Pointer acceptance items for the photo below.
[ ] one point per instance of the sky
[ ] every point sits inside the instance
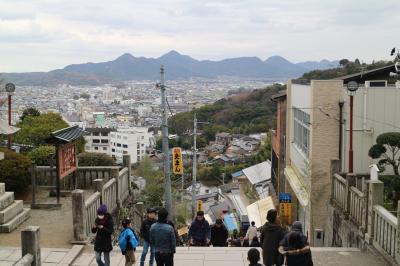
(41, 35)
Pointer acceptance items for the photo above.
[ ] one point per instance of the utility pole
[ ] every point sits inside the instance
(194, 171)
(165, 147)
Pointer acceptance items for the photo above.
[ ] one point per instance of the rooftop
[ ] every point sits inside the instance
(258, 173)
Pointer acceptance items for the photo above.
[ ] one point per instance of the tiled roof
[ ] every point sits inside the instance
(68, 134)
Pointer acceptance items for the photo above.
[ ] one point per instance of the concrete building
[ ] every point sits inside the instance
(98, 140)
(278, 142)
(315, 135)
(132, 141)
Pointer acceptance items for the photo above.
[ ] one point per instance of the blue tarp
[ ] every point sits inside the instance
(237, 174)
(230, 222)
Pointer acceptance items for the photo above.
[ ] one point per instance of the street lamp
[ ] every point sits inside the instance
(352, 87)
(10, 88)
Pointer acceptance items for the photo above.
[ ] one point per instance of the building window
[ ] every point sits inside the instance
(104, 141)
(96, 141)
(125, 146)
(301, 126)
(96, 133)
(125, 152)
(113, 150)
(104, 148)
(118, 144)
(138, 145)
(96, 148)
(104, 134)
(125, 138)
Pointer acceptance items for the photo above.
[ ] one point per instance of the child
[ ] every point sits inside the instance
(128, 242)
(253, 256)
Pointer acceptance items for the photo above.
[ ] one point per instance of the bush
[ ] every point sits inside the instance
(40, 155)
(14, 171)
(95, 159)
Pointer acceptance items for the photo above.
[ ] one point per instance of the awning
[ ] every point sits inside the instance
(6, 129)
(258, 210)
(297, 186)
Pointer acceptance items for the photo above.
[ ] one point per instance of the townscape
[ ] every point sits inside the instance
(172, 160)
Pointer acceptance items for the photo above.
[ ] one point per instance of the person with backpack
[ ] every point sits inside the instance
(145, 234)
(296, 227)
(219, 234)
(128, 242)
(103, 228)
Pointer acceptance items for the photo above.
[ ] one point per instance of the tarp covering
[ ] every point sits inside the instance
(230, 222)
(257, 211)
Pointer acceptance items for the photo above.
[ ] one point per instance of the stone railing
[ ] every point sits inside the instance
(45, 176)
(91, 206)
(112, 193)
(376, 225)
(340, 188)
(385, 231)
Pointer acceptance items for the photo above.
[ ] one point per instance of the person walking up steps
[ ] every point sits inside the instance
(127, 242)
(199, 232)
(272, 233)
(219, 234)
(103, 228)
(145, 234)
(162, 237)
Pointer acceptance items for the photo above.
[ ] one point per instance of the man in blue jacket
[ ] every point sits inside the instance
(128, 242)
(162, 237)
(199, 232)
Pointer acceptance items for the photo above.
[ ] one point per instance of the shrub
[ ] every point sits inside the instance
(95, 159)
(14, 171)
(40, 155)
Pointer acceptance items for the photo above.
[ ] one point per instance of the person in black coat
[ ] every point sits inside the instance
(255, 243)
(241, 241)
(103, 228)
(297, 253)
(145, 234)
(219, 234)
(271, 234)
(296, 227)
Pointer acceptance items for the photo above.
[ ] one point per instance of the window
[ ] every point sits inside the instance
(125, 152)
(104, 141)
(104, 134)
(301, 128)
(104, 148)
(96, 148)
(125, 146)
(113, 150)
(125, 138)
(96, 141)
(96, 134)
(138, 146)
(118, 144)
(118, 136)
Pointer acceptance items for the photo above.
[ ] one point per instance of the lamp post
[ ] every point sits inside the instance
(352, 87)
(10, 88)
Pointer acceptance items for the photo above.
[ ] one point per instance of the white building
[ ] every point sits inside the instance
(98, 140)
(132, 141)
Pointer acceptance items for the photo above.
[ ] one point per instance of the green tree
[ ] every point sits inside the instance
(36, 129)
(85, 96)
(387, 149)
(31, 111)
(147, 169)
(14, 171)
(40, 155)
(95, 159)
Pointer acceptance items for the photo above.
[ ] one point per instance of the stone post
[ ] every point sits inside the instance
(79, 216)
(98, 186)
(351, 182)
(33, 182)
(30, 242)
(128, 164)
(375, 197)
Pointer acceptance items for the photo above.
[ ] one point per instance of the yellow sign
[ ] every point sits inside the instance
(199, 205)
(285, 212)
(177, 163)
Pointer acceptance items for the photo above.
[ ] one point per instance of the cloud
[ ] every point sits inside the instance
(47, 34)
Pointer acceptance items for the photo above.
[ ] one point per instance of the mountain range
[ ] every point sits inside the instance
(128, 67)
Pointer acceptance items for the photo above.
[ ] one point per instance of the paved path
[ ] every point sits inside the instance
(197, 257)
(238, 257)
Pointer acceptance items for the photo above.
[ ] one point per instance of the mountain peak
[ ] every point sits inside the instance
(125, 56)
(277, 58)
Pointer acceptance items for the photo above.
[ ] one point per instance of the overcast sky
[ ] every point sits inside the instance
(41, 35)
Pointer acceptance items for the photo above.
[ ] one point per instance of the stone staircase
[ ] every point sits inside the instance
(12, 212)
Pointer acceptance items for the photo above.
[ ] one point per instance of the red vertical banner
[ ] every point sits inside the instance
(67, 160)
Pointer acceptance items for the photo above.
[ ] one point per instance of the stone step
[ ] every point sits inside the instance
(2, 188)
(6, 200)
(11, 211)
(16, 221)
(72, 255)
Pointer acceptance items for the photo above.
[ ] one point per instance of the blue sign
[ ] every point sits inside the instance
(285, 197)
